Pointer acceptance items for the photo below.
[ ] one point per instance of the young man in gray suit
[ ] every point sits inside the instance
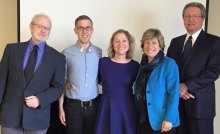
(32, 76)
(197, 54)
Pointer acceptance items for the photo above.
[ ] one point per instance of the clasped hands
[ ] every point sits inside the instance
(184, 94)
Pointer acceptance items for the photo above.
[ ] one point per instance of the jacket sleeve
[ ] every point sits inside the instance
(210, 73)
(172, 89)
(4, 71)
(56, 88)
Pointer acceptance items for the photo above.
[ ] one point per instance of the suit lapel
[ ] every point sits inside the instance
(44, 65)
(196, 47)
(180, 51)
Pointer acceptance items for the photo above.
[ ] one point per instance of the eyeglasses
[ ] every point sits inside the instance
(191, 16)
(41, 27)
(87, 29)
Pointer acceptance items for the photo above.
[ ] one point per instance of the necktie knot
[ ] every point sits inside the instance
(35, 48)
(190, 38)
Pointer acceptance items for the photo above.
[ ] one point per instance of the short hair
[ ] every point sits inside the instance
(35, 17)
(195, 4)
(130, 52)
(153, 33)
(83, 17)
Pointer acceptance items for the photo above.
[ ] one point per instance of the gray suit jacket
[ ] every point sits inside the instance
(47, 84)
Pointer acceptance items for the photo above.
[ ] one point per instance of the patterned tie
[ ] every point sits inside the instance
(187, 47)
(31, 63)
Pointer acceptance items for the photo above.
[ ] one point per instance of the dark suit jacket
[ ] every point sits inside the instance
(199, 72)
(47, 84)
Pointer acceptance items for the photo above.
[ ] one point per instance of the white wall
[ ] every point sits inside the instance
(214, 28)
(108, 15)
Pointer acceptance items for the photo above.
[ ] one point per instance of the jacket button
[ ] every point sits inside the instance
(148, 104)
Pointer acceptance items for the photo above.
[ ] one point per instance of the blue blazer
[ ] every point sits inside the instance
(162, 94)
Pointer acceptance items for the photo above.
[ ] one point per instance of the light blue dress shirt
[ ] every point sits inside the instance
(82, 71)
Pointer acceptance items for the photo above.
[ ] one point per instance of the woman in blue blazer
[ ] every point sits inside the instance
(157, 87)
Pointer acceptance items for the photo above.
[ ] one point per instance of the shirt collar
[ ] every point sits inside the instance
(40, 46)
(194, 36)
(82, 49)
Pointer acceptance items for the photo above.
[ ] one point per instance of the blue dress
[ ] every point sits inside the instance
(117, 111)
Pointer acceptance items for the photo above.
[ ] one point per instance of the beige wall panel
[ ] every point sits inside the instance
(214, 28)
(8, 23)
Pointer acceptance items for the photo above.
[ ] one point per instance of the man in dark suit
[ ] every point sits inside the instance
(26, 94)
(199, 67)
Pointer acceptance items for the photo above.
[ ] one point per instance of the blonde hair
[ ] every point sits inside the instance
(153, 33)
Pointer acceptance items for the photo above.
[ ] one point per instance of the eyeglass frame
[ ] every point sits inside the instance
(87, 29)
(192, 16)
(40, 27)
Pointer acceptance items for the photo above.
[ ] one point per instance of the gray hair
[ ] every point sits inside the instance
(195, 4)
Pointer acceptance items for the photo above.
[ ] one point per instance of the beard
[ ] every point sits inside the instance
(40, 38)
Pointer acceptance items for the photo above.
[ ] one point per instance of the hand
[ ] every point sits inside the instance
(184, 94)
(32, 101)
(166, 126)
(68, 85)
(183, 89)
(187, 96)
(62, 116)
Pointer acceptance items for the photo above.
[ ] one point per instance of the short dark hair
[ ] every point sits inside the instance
(83, 17)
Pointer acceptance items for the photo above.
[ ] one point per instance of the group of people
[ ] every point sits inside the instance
(172, 94)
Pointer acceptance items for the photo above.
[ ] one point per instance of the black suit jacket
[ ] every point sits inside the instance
(199, 72)
(47, 84)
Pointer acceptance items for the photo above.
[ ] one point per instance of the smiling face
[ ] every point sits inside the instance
(84, 31)
(120, 44)
(40, 29)
(151, 48)
(193, 19)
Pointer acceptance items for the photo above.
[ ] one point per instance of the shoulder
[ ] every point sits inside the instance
(14, 45)
(135, 63)
(169, 60)
(54, 52)
(212, 37)
(170, 64)
(178, 39)
(70, 48)
(176, 42)
(97, 48)
(209, 40)
(104, 59)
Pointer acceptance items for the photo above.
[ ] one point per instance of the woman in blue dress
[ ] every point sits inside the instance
(117, 112)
